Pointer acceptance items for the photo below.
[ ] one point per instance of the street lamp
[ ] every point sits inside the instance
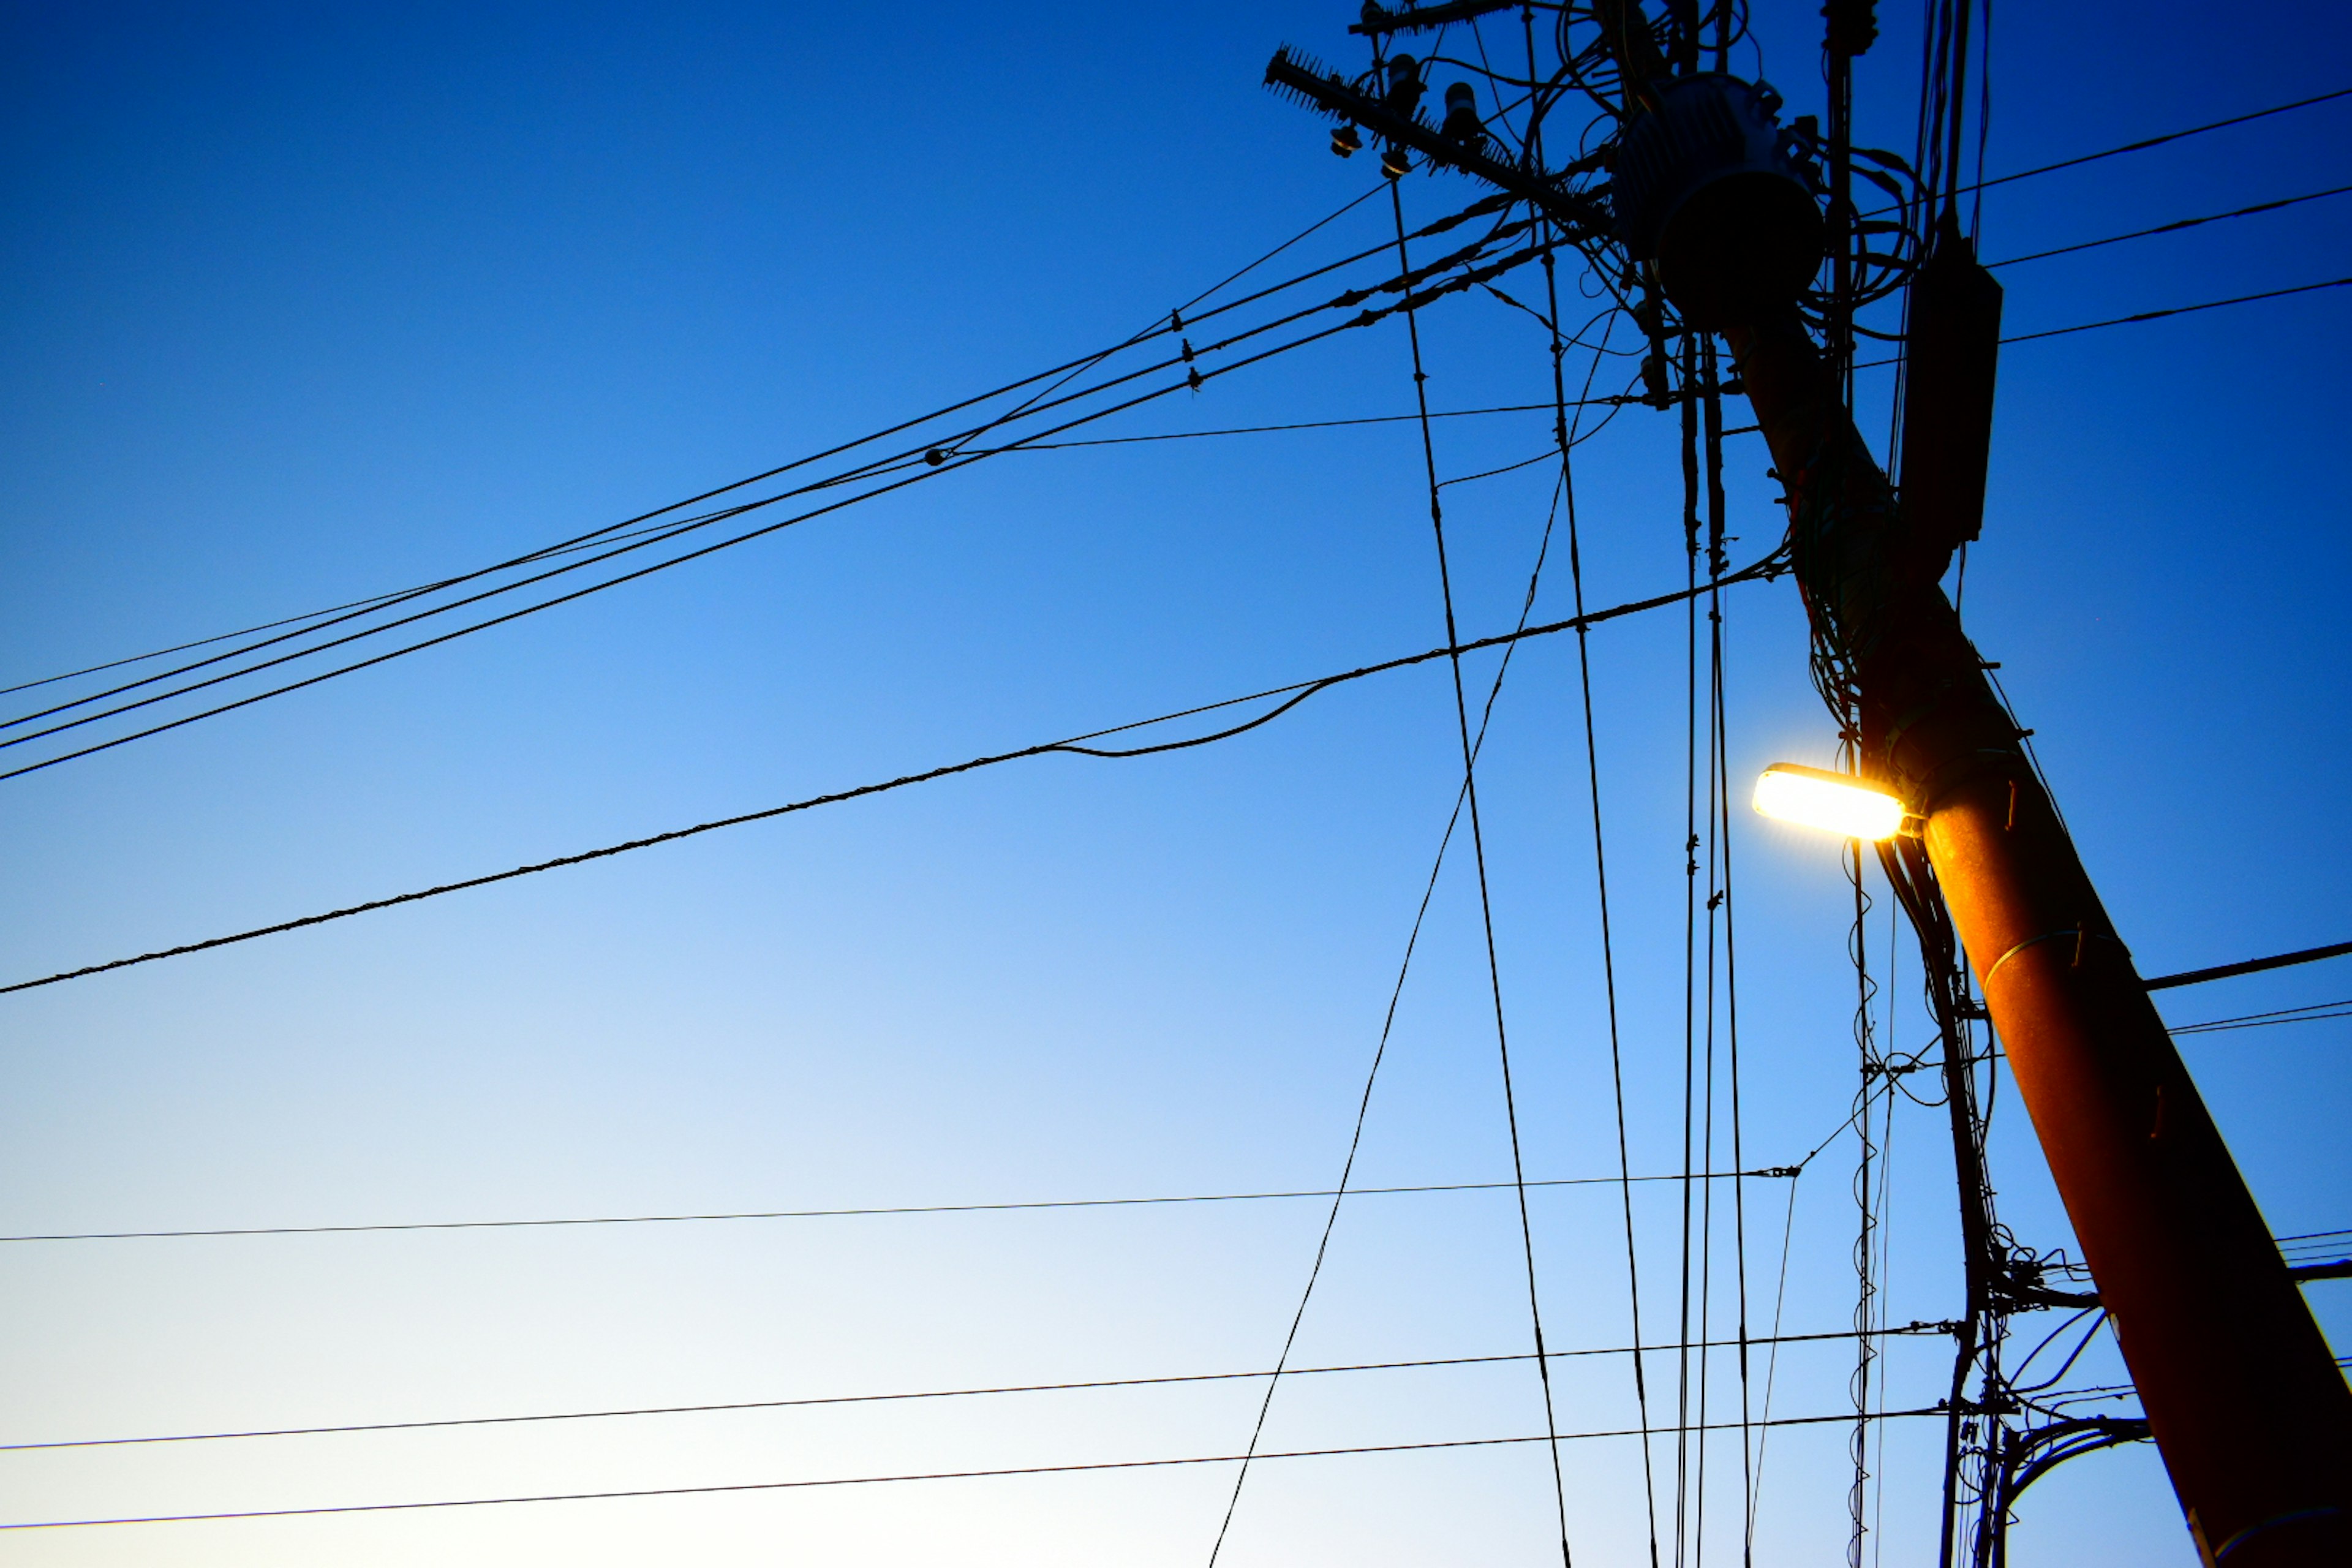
(1836, 803)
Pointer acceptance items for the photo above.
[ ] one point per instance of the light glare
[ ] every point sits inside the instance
(1835, 802)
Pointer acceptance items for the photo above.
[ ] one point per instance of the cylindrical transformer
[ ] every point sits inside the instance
(1705, 186)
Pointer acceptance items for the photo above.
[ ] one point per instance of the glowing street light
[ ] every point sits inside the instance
(1836, 803)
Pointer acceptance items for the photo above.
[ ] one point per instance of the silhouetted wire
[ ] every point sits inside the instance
(1379, 1051)
(2179, 310)
(873, 1480)
(1563, 434)
(1175, 324)
(1293, 695)
(2172, 227)
(578, 539)
(2309, 1015)
(206, 642)
(1689, 420)
(1769, 1171)
(1543, 456)
(360, 1427)
(1195, 378)
(1478, 856)
(1771, 1363)
(2143, 145)
(363, 606)
(2248, 967)
(2150, 315)
(2311, 1240)
(2139, 146)
(1274, 429)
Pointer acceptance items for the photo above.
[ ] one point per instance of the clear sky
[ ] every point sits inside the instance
(308, 304)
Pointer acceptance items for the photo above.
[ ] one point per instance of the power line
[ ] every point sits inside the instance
(1380, 1049)
(2179, 310)
(1295, 424)
(1174, 327)
(1567, 444)
(2248, 967)
(2312, 1014)
(1478, 855)
(2141, 316)
(1195, 378)
(1911, 1329)
(2327, 1240)
(1075, 745)
(928, 462)
(2158, 141)
(863, 1213)
(882, 1480)
(2139, 146)
(2174, 226)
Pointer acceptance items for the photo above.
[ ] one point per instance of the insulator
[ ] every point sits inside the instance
(1346, 140)
(1405, 86)
(1653, 379)
(1462, 115)
(1395, 164)
(1852, 26)
(1706, 185)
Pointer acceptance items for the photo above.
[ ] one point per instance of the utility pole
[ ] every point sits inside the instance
(2242, 1395)
(2244, 1400)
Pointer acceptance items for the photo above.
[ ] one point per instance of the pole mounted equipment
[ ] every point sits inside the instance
(1708, 187)
(1380, 21)
(1581, 214)
(1948, 393)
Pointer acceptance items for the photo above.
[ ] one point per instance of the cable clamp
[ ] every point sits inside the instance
(2081, 935)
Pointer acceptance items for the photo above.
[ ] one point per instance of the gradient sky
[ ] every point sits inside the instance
(308, 303)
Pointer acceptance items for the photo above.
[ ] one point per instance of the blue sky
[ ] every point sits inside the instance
(307, 306)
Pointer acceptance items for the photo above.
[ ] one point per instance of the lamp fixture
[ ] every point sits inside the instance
(1841, 803)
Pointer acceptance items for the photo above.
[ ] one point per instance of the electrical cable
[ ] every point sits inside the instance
(1689, 422)
(2158, 140)
(1543, 456)
(1771, 1363)
(2179, 310)
(1194, 379)
(1272, 429)
(348, 1428)
(2145, 316)
(2172, 227)
(1293, 695)
(1478, 855)
(1379, 1051)
(2248, 967)
(2308, 1241)
(1719, 830)
(2306, 1015)
(868, 1480)
(935, 462)
(1769, 1171)
(1983, 184)
(577, 540)
(1600, 875)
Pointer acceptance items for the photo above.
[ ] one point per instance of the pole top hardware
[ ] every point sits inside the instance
(1709, 186)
